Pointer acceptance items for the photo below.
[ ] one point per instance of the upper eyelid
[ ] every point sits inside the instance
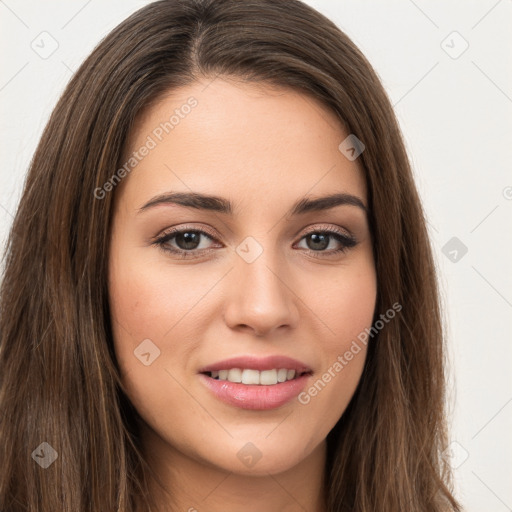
(171, 232)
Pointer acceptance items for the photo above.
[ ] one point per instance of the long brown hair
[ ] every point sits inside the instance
(59, 379)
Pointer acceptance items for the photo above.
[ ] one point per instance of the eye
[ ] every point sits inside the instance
(320, 240)
(184, 242)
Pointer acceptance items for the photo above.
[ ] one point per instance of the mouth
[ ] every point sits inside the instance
(250, 382)
(251, 377)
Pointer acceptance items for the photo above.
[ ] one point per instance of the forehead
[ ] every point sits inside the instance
(251, 142)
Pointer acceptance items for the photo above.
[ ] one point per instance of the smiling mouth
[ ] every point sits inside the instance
(255, 377)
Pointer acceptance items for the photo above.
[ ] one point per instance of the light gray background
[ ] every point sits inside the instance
(455, 112)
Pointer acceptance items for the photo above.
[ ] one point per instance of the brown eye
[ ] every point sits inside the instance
(319, 241)
(188, 240)
(185, 242)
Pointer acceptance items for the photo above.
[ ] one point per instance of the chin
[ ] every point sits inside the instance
(260, 457)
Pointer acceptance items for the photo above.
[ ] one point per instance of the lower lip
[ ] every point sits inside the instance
(255, 397)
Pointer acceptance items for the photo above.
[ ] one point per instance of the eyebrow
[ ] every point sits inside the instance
(221, 205)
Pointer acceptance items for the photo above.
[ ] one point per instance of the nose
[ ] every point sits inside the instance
(260, 297)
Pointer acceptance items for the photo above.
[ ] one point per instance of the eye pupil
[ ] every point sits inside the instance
(188, 239)
(319, 241)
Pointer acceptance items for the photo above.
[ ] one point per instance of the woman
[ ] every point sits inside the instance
(219, 291)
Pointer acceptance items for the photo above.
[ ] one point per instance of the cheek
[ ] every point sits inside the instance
(346, 304)
(149, 310)
(156, 303)
(347, 307)
(146, 303)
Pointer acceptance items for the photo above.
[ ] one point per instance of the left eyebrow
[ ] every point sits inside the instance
(222, 205)
(326, 203)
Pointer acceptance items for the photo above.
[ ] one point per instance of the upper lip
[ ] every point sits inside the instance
(258, 363)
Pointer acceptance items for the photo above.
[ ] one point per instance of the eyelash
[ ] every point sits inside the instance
(347, 242)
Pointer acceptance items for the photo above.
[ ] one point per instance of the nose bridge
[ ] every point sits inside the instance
(259, 295)
(258, 268)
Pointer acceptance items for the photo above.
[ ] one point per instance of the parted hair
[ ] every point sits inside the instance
(59, 379)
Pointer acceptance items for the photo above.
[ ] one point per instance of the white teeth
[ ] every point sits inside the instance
(281, 374)
(235, 375)
(268, 377)
(250, 377)
(254, 377)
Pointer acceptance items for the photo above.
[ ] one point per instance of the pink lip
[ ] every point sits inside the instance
(255, 397)
(258, 363)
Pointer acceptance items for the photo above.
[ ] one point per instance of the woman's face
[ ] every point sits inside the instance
(249, 275)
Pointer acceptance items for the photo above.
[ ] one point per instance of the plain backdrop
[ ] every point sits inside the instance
(447, 69)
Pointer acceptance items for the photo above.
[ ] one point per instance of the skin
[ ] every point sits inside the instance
(263, 148)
